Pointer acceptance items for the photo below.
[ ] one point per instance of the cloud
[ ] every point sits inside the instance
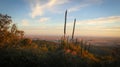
(101, 20)
(76, 8)
(44, 19)
(25, 22)
(84, 3)
(52, 3)
(97, 23)
(113, 28)
(39, 9)
(111, 19)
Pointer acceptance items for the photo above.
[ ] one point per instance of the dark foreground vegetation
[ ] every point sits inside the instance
(17, 51)
(52, 55)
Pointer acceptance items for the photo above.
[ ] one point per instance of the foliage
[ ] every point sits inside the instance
(42, 56)
(9, 34)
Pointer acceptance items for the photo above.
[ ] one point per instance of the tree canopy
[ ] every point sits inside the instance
(9, 34)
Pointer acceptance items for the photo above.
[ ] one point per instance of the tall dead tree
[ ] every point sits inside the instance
(65, 24)
(73, 29)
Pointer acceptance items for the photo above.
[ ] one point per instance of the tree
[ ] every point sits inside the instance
(9, 34)
(13, 29)
(19, 33)
(26, 41)
(5, 22)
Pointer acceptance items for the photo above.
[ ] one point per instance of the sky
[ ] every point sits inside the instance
(46, 17)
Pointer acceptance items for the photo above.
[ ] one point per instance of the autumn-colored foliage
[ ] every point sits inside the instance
(9, 34)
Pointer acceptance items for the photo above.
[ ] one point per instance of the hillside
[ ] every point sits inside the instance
(50, 54)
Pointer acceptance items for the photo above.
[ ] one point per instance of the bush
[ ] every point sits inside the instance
(26, 41)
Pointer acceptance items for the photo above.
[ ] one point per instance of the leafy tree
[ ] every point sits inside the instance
(13, 29)
(5, 22)
(9, 34)
(26, 41)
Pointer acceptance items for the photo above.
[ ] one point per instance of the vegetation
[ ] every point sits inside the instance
(15, 50)
(10, 35)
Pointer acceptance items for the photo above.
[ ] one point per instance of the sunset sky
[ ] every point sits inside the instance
(46, 17)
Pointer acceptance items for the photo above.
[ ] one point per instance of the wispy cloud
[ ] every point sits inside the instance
(25, 22)
(83, 4)
(101, 20)
(103, 24)
(44, 19)
(39, 9)
(113, 28)
(77, 7)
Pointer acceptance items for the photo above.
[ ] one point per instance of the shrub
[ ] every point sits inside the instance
(26, 41)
